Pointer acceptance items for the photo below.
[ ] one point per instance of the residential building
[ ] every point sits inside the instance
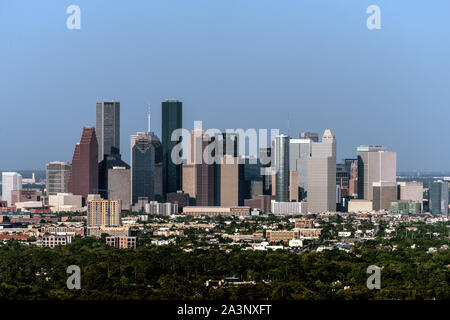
(104, 213)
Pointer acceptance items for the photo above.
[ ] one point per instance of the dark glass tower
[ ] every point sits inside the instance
(145, 154)
(171, 120)
(108, 129)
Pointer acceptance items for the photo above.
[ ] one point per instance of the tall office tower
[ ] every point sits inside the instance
(171, 120)
(299, 152)
(321, 174)
(83, 178)
(201, 184)
(145, 159)
(439, 197)
(108, 128)
(105, 213)
(281, 167)
(58, 173)
(313, 136)
(353, 181)
(375, 164)
(10, 181)
(230, 174)
(119, 187)
(265, 158)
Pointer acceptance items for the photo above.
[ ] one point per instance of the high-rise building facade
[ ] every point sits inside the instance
(57, 174)
(108, 128)
(375, 164)
(172, 115)
(199, 173)
(281, 167)
(321, 174)
(119, 187)
(265, 158)
(104, 213)
(10, 181)
(299, 152)
(439, 197)
(146, 160)
(83, 178)
(230, 182)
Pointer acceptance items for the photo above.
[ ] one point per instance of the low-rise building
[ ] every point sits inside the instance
(52, 241)
(121, 242)
(213, 211)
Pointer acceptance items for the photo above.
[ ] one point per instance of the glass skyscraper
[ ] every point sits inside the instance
(108, 129)
(171, 120)
(145, 155)
(281, 165)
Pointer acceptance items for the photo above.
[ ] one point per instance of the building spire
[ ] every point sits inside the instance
(148, 128)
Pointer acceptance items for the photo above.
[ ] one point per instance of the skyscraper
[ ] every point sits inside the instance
(199, 173)
(281, 167)
(171, 120)
(83, 178)
(145, 159)
(375, 164)
(321, 174)
(439, 197)
(108, 128)
(230, 182)
(10, 181)
(58, 173)
(299, 152)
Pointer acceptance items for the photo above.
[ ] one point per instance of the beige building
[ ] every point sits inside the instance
(189, 180)
(293, 186)
(412, 190)
(321, 175)
(111, 231)
(216, 211)
(360, 205)
(229, 181)
(104, 212)
(119, 184)
(65, 202)
(375, 164)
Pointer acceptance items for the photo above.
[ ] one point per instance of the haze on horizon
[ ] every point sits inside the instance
(233, 64)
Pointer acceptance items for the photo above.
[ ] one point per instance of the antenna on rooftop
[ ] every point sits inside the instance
(148, 119)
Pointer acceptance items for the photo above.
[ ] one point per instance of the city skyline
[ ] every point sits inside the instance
(395, 74)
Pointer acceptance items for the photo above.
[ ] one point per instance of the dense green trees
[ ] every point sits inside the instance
(168, 272)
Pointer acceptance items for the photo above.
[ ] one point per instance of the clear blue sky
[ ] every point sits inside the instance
(234, 64)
